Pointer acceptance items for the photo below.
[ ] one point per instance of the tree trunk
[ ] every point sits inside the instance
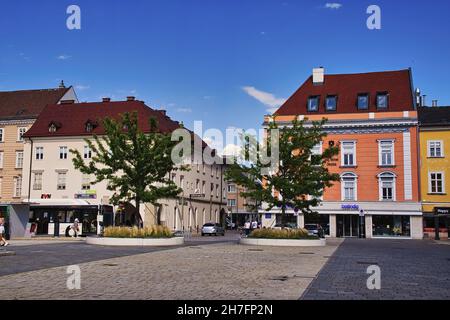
(138, 218)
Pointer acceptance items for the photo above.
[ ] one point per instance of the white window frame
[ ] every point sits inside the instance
(63, 152)
(430, 189)
(348, 175)
(2, 134)
(35, 185)
(59, 185)
(429, 142)
(1, 159)
(380, 154)
(17, 187)
(19, 134)
(86, 182)
(41, 153)
(343, 154)
(19, 159)
(229, 203)
(394, 186)
(229, 188)
(87, 152)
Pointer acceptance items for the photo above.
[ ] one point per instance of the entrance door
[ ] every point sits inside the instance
(347, 225)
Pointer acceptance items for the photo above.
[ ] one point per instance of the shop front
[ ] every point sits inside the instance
(436, 223)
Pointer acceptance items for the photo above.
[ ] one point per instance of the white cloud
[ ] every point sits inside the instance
(63, 57)
(82, 87)
(268, 99)
(184, 110)
(333, 5)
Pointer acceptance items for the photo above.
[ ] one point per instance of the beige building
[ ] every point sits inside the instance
(57, 192)
(18, 111)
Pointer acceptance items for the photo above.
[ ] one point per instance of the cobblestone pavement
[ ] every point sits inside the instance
(198, 270)
(409, 270)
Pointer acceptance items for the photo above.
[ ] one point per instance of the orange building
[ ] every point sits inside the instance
(372, 117)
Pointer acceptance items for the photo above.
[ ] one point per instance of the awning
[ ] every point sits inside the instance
(58, 202)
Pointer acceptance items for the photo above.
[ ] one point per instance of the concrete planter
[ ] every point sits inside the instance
(149, 242)
(283, 242)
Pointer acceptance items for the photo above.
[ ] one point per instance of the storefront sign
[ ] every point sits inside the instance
(88, 194)
(46, 196)
(268, 216)
(350, 207)
(442, 211)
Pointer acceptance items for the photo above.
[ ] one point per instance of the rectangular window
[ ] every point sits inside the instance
(39, 153)
(2, 134)
(197, 186)
(87, 152)
(313, 104)
(231, 188)
(363, 101)
(217, 190)
(231, 202)
(435, 149)
(436, 182)
(331, 103)
(348, 153)
(217, 172)
(1, 159)
(17, 187)
(382, 100)
(182, 182)
(20, 132)
(349, 190)
(62, 153)
(387, 189)
(203, 187)
(386, 153)
(61, 183)
(19, 159)
(37, 183)
(86, 182)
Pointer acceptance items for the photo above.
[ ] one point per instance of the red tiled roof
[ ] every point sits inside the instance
(28, 103)
(347, 87)
(72, 118)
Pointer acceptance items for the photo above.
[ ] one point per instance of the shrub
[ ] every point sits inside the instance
(135, 232)
(281, 234)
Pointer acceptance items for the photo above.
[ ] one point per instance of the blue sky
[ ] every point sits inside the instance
(225, 62)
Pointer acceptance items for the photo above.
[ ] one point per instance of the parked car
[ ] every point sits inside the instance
(280, 226)
(314, 230)
(212, 229)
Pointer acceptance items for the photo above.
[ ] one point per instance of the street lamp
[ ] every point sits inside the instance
(361, 224)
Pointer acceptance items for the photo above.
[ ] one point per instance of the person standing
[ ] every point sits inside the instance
(75, 227)
(3, 241)
(254, 225)
(247, 226)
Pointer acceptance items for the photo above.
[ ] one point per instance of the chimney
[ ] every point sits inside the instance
(424, 103)
(163, 112)
(318, 76)
(106, 100)
(67, 101)
(62, 85)
(131, 98)
(418, 98)
(434, 103)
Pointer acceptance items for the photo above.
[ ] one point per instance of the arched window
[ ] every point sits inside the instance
(387, 186)
(349, 186)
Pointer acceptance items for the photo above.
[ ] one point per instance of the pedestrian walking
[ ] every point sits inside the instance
(75, 227)
(3, 241)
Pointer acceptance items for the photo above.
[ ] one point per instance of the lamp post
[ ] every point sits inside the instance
(361, 224)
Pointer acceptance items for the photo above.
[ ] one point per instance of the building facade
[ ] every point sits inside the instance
(434, 126)
(57, 193)
(240, 209)
(18, 112)
(372, 117)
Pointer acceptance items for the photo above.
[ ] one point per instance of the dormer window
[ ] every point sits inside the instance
(90, 126)
(331, 103)
(53, 127)
(313, 103)
(363, 101)
(382, 100)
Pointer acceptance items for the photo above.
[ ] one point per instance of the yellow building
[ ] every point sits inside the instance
(18, 112)
(435, 169)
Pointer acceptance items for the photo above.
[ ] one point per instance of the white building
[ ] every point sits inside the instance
(56, 191)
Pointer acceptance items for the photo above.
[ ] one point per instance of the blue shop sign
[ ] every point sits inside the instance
(350, 207)
(268, 216)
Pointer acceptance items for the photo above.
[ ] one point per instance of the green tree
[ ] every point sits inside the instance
(298, 174)
(135, 164)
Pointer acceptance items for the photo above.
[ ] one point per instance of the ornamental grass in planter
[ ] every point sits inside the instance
(136, 233)
(289, 234)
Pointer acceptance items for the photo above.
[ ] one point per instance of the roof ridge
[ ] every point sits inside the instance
(36, 90)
